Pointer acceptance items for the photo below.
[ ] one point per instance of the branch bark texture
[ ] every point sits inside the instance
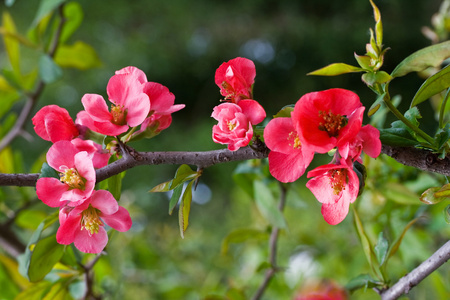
(406, 283)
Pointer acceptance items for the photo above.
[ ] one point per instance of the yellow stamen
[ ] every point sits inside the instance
(90, 220)
(73, 179)
(332, 123)
(293, 136)
(119, 115)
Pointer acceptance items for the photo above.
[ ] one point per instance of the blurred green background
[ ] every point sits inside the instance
(180, 44)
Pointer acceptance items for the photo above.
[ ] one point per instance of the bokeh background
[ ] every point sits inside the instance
(180, 44)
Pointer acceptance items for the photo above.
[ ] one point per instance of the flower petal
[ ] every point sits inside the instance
(120, 221)
(96, 107)
(253, 110)
(61, 154)
(94, 243)
(105, 202)
(50, 191)
(288, 167)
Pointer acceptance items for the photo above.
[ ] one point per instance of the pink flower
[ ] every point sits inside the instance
(83, 225)
(53, 123)
(235, 79)
(130, 105)
(77, 176)
(95, 151)
(290, 155)
(322, 290)
(367, 140)
(335, 186)
(328, 119)
(235, 123)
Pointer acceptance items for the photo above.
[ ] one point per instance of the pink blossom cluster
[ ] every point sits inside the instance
(83, 211)
(239, 112)
(321, 122)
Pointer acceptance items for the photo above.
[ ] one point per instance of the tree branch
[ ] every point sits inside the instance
(406, 283)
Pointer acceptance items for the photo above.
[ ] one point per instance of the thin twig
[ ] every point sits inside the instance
(89, 277)
(273, 244)
(406, 283)
(32, 98)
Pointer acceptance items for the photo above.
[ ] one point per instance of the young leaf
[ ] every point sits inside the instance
(162, 187)
(365, 242)
(267, 206)
(79, 56)
(183, 174)
(285, 112)
(371, 78)
(11, 43)
(336, 69)
(429, 196)
(398, 241)
(175, 198)
(432, 86)
(447, 214)
(47, 171)
(45, 255)
(240, 236)
(115, 182)
(431, 56)
(362, 281)
(185, 208)
(73, 14)
(45, 8)
(381, 248)
(48, 70)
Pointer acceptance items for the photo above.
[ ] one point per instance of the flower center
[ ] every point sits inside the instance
(296, 144)
(338, 180)
(90, 220)
(231, 125)
(72, 178)
(332, 123)
(119, 115)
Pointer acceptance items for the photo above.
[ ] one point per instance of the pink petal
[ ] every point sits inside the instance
(94, 243)
(123, 87)
(110, 129)
(69, 226)
(287, 167)
(61, 154)
(371, 140)
(279, 135)
(140, 75)
(96, 107)
(105, 202)
(161, 99)
(83, 164)
(120, 221)
(50, 191)
(138, 108)
(253, 110)
(335, 213)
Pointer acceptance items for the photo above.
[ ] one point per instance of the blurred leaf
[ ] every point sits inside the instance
(185, 208)
(58, 291)
(285, 112)
(48, 70)
(36, 291)
(11, 267)
(447, 214)
(175, 198)
(336, 69)
(267, 205)
(30, 219)
(73, 15)
(398, 240)
(381, 248)
(45, 8)
(376, 105)
(362, 281)
(432, 86)
(431, 56)
(11, 44)
(235, 294)
(6, 161)
(442, 136)
(79, 55)
(246, 173)
(240, 236)
(45, 255)
(47, 171)
(400, 194)
(9, 3)
(378, 24)
(9, 121)
(24, 259)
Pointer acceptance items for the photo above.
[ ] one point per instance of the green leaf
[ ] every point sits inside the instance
(397, 137)
(267, 205)
(79, 56)
(431, 56)
(242, 235)
(336, 69)
(381, 248)
(175, 198)
(378, 24)
(185, 208)
(285, 112)
(45, 255)
(47, 171)
(442, 136)
(376, 105)
(363, 61)
(362, 281)
(115, 182)
(365, 242)
(400, 194)
(398, 241)
(447, 214)
(183, 174)
(48, 70)
(11, 44)
(372, 78)
(35, 292)
(45, 8)
(73, 15)
(432, 86)
(247, 172)
(429, 197)
(162, 187)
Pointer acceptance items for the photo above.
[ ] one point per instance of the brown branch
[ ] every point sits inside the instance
(25, 114)
(406, 283)
(273, 244)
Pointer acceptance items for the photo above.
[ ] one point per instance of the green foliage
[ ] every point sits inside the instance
(432, 86)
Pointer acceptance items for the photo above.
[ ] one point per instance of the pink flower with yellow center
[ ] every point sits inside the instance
(290, 155)
(335, 186)
(83, 225)
(130, 105)
(77, 176)
(235, 123)
(235, 79)
(328, 119)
